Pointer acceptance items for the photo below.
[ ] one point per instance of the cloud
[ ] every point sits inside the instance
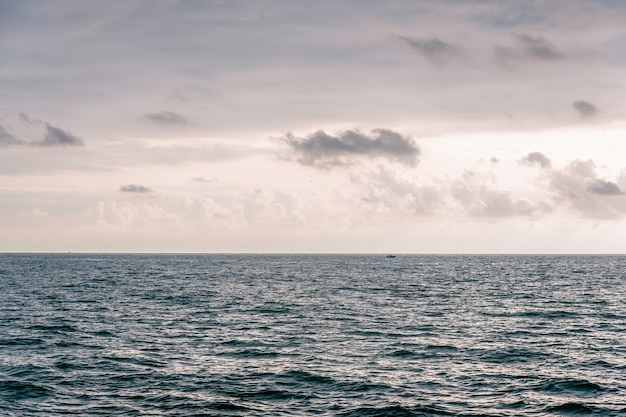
(271, 208)
(323, 150)
(477, 196)
(584, 108)
(131, 216)
(166, 118)
(202, 179)
(474, 194)
(59, 137)
(132, 188)
(435, 50)
(537, 158)
(34, 132)
(390, 192)
(528, 48)
(7, 139)
(578, 187)
(202, 212)
(538, 47)
(603, 187)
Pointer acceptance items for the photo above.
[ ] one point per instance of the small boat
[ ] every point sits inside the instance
(390, 256)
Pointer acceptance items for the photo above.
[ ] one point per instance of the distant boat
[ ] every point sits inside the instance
(390, 256)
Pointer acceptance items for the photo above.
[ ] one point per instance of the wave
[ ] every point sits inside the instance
(13, 390)
(570, 386)
(270, 395)
(55, 328)
(394, 411)
(510, 355)
(572, 408)
(22, 341)
(251, 353)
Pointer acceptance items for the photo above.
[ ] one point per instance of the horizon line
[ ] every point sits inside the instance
(323, 253)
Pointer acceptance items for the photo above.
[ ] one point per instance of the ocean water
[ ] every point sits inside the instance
(304, 335)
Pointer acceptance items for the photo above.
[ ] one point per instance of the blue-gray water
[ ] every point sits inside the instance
(271, 335)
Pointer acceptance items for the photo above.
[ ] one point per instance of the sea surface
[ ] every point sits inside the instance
(307, 335)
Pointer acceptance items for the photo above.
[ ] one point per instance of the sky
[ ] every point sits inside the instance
(354, 126)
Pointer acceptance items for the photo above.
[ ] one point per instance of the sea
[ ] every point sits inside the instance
(312, 335)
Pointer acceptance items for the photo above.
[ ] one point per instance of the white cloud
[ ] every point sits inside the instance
(578, 187)
(132, 215)
(397, 194)
(478, 196)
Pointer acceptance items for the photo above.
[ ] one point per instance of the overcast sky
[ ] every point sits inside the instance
(313, 126)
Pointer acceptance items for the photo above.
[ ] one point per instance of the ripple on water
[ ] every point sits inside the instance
(577, 408)
(15, 390)
(578, 387)
(394, 411)
(22, 341)
(265, 335)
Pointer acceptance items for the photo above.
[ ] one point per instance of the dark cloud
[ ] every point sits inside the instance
(59, 137)
(584, 108)
(132, 188)
(537, 158)
(50, 136)
(435, 50)
(538, 47)
(324, 150)
(603, 187)
(166, 118)
(528, 48)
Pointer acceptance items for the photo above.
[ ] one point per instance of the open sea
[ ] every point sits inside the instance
(306, 335)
